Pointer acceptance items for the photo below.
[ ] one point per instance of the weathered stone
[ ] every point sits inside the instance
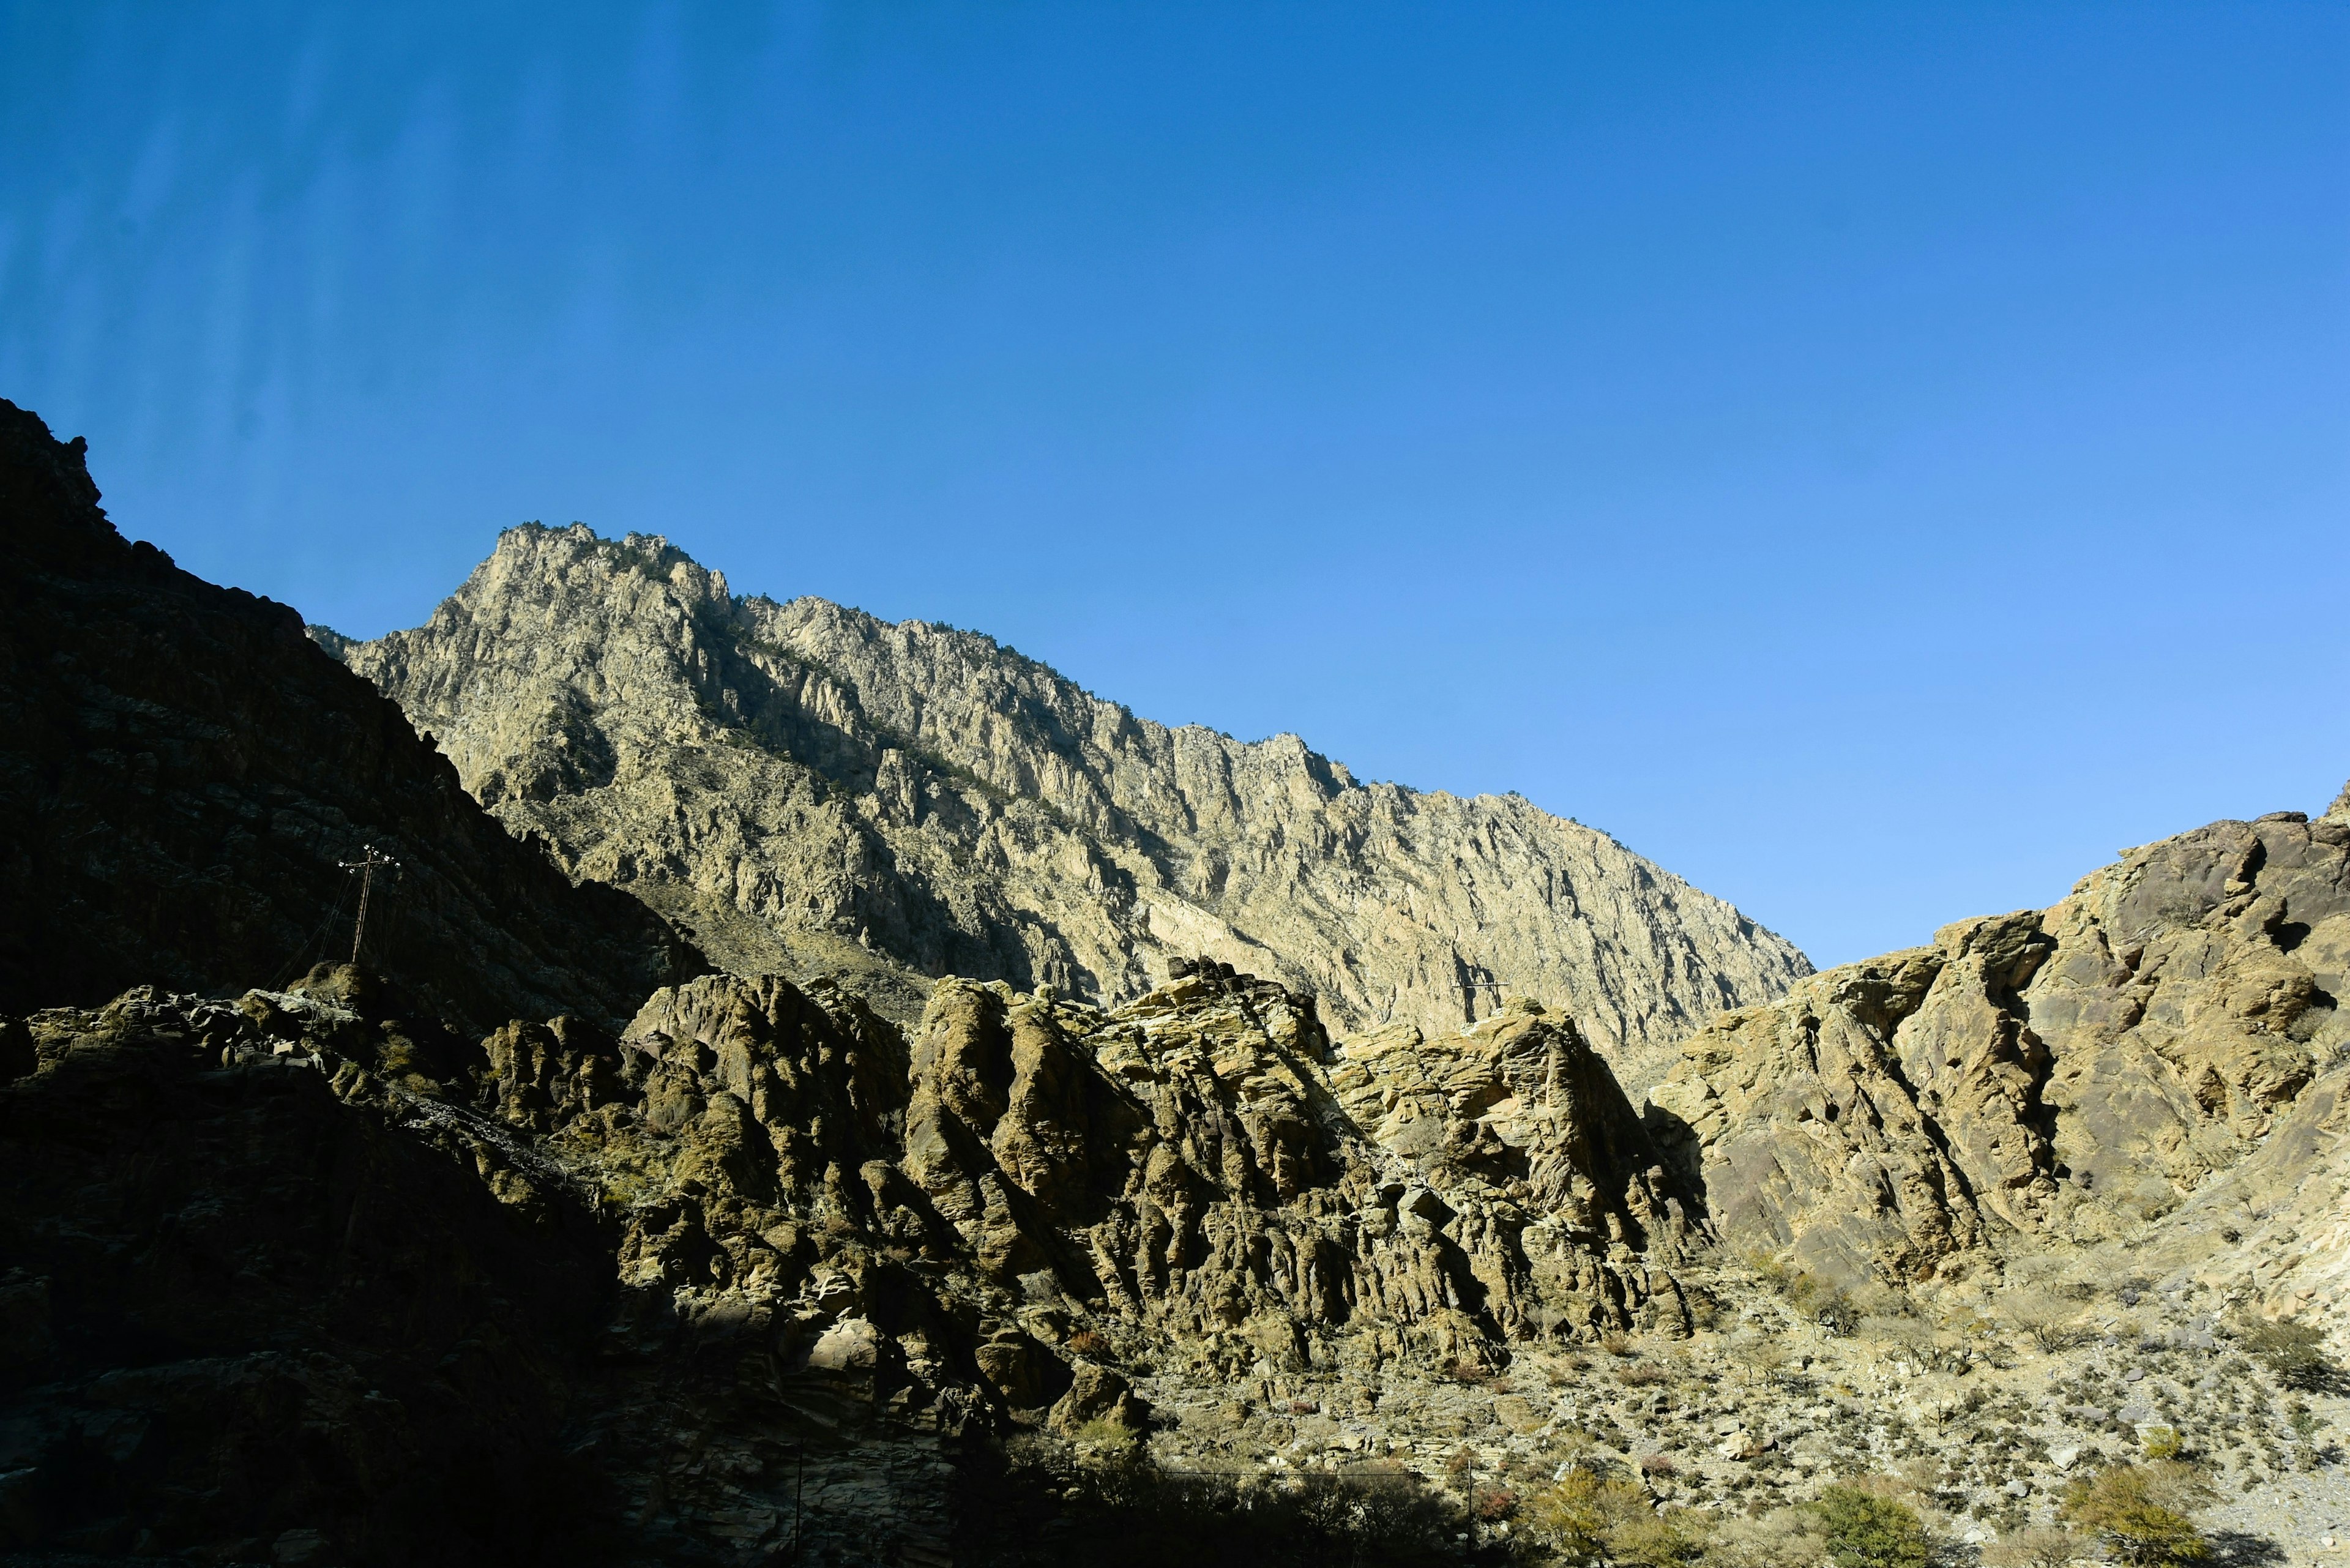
(813, 790)
(2049, 1078)
(1097, 1393)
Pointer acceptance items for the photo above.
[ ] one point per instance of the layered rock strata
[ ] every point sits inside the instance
(2052, 1077)
(808, 788)
(181, 770)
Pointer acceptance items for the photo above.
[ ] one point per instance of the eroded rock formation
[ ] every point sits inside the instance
(760, 1229)
(808, 788)
(2049, 1078)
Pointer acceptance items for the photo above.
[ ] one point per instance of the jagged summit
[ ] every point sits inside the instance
(806, 786)
(759, 1273)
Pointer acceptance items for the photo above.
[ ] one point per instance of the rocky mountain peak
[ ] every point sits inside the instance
(806, 786)
(887, 1265)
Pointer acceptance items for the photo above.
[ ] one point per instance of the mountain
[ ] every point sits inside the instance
(547, 1248)
(808, 788)
(2157, 1066)
(766, 1277)
(181, 770)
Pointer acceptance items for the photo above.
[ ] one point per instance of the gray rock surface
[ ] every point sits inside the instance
(810, 788)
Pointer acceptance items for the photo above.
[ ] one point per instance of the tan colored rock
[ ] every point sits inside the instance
(811, 789)
(2047, 1077)
(1097, 1393)
(1195, 1174)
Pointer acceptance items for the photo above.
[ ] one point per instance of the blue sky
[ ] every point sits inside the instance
(1876, 461)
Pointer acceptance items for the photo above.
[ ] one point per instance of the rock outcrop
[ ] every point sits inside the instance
(181, 770)
(568, 1294)
(2046, 1078)
(811, 788)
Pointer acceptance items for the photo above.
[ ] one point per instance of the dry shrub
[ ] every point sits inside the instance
(2047, 1318)
(1780, 1537)
(1109, 1435)
(1089, 1343)
(1760, 1355)
(2293, 1351)
(2139, 1513)
(1914, 1341)
(2041, 1546)
(1587, 1515)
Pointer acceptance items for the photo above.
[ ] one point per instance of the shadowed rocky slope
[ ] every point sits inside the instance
(310, 1276)
(180, 769)
(2166, 1044)
(806, 786)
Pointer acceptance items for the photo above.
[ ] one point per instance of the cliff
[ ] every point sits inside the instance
(808, 788)
(2158, 1063)
(756, 1276)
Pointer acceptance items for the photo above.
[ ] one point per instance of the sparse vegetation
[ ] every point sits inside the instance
(2047, 1318)
(2293, 1351)
(2139, 1514)
(1759, 1355)
(1776, 1538)
(1861, 1527)
(2035, 1547)
(1587, 1515)
(1107, 1436)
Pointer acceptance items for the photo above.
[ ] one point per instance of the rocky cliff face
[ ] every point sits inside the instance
(561, 1295)
(2166, 1044)
(904, 1268)
(180, 770)
(808, 788)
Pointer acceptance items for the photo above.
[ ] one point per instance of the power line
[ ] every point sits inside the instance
(369, 862)
(310, 942)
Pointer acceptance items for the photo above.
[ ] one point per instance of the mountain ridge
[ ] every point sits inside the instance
(757, 1273)
(727, 756)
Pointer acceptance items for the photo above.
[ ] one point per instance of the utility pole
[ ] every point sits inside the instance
(369, 862)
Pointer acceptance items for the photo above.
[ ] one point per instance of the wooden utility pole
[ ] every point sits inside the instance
(369, 862)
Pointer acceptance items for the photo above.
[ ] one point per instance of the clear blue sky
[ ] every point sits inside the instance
(1875, 460)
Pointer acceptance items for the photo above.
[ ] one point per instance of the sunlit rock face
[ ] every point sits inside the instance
(2046, 1079)
(811, 788)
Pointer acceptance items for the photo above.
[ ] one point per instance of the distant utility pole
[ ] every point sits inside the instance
(369, 863)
